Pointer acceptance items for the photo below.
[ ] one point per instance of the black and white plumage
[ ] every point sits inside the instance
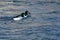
(21, 16)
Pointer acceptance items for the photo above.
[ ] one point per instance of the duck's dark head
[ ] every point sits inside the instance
(27, 12)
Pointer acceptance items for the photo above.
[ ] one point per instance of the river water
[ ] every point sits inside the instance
(44, 23)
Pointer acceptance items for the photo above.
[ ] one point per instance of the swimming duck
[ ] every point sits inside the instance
(21, 16)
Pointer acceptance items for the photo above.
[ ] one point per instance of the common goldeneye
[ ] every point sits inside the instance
(21, 16)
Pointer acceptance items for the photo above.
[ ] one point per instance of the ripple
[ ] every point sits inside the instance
(5, 18)
(53, 12)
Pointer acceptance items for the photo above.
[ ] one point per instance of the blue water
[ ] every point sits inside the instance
(44, 23)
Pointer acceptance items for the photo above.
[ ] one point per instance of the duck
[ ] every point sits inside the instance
(22, 16)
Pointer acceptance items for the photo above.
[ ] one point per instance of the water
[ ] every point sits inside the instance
(44, 23)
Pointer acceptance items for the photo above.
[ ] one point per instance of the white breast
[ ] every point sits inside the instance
(25, 16)
(18, 18)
